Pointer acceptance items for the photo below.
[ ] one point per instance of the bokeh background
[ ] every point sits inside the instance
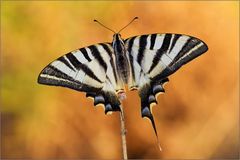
(197, 117)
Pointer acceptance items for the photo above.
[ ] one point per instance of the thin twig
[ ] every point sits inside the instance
(123, 134)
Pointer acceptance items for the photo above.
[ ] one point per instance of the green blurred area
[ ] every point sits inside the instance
(198, 117)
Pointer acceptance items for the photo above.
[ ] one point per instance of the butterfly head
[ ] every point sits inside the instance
(117, 38)
(118, 43)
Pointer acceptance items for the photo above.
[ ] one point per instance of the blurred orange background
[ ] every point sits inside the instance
(197, 117)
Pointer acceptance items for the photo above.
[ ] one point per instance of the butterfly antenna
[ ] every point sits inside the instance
(128, 24)
(103, 25)
(155, 130)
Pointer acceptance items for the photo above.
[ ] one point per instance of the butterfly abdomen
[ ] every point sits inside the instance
(123, 68)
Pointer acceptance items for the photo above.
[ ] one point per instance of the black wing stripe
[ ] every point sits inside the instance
(63, 60)
(132, 67)
(142, 46)
(161, 51)
(85, 54)
(130, 45)
(105, 46)
(152, 41)
(176, 37)
(97, 55)
(90, 73)
(107, 49)
(79, 66)
(74, 61)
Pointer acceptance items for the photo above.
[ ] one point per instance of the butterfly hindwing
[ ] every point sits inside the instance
(153, 58)
(90, 69)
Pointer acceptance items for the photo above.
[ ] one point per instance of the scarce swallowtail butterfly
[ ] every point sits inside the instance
(142, 63)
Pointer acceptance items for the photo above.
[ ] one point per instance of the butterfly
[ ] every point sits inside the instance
(143, 63)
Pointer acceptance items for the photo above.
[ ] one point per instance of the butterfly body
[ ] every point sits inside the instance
(122, 63)
(142, 62)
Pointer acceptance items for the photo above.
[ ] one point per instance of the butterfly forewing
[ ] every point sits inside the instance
(155, 53)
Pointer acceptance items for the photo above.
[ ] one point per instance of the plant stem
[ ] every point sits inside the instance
(123, 134)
